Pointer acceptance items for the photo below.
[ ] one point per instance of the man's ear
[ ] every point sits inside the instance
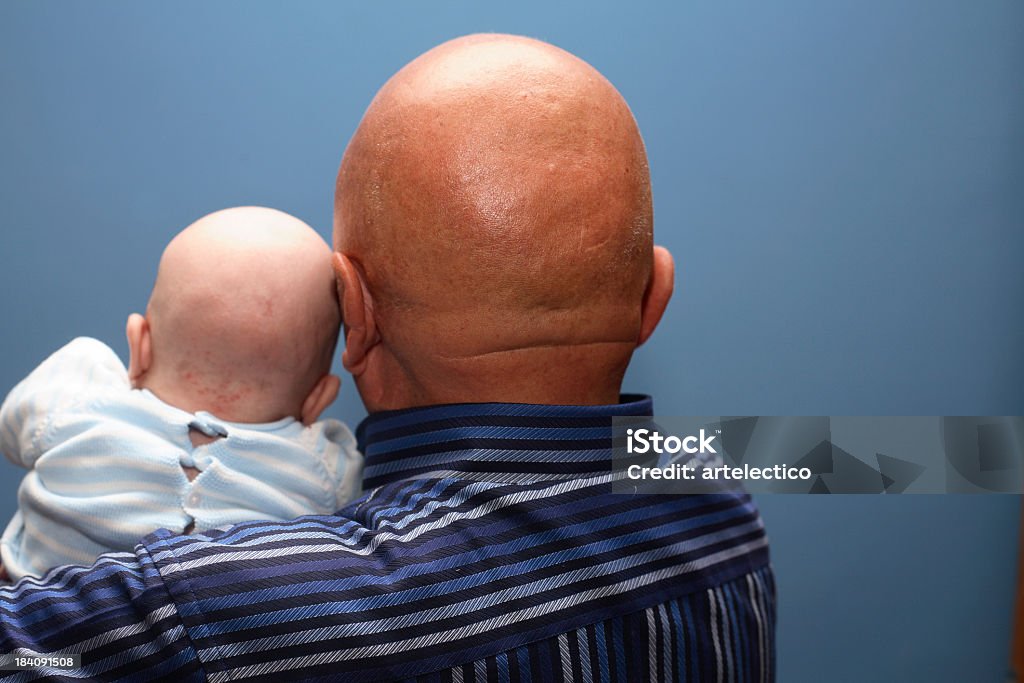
(357, 314)
(659, 291)
(140, 347)
(323, 394)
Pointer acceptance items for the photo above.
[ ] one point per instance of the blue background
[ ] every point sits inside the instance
(841, 187)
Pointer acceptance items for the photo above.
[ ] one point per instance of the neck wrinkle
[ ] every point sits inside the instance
(585, 374)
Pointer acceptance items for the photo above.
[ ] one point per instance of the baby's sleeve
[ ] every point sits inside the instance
(342, 459)
(62, 383)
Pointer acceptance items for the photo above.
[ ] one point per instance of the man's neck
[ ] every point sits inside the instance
(543, 376)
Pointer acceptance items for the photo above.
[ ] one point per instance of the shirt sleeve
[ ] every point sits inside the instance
(72, 375)
(117, 615)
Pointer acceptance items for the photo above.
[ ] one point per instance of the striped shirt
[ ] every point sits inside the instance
(488, 547)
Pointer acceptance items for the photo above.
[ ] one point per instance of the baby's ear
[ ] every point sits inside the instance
(323, 394)
(140, 348)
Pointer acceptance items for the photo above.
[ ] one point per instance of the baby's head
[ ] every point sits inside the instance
(243, 320)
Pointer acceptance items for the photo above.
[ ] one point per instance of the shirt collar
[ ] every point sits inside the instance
(507, 441)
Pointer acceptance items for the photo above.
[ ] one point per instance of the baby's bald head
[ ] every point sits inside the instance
(496, 200)
(243, 319)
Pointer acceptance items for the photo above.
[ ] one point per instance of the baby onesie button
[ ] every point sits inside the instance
(205, 423)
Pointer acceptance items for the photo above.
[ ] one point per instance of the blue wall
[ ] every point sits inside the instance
(841, 186)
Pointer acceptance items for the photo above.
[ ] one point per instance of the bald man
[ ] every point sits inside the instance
(215, 419)
(496, 271)
(495, 207)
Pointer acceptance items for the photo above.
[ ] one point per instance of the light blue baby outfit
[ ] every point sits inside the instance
(106, 464)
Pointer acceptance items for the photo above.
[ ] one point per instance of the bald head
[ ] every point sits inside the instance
(243, 316)
(496, 198)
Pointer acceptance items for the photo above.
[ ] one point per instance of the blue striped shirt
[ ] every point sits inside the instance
(488, 546)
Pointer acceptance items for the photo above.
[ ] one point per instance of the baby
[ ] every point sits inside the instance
(215, 419)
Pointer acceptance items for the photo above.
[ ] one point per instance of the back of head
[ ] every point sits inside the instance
(496, 199)
(243, 318)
